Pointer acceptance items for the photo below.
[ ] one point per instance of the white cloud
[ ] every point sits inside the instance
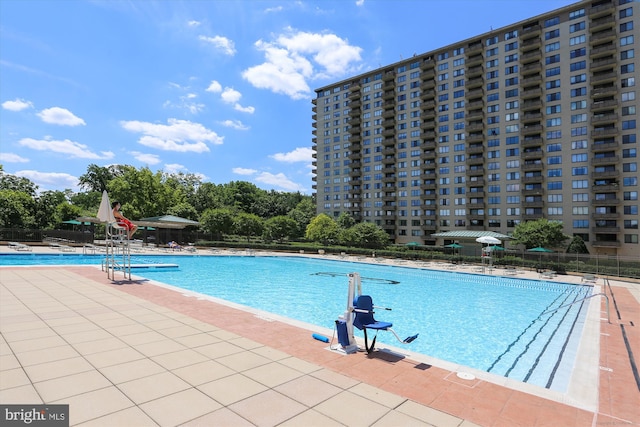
(50, 180)
(149, 159)
(300, 154)
(60, 116)
(359, 2)
(244, 171)
(232, 96)
(174, 168)
(222, 43)
(193, 23)
(12, 158)
(71, 148)
(177, 135)
(214, 86)
(279, 180)
(293, 59)
(235, 124)
(273, 9)
(17, 105)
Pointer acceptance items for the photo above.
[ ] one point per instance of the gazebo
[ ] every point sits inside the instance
(167, 222)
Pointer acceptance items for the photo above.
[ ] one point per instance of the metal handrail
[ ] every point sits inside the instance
(580, 300)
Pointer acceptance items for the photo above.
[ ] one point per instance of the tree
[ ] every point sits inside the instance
(365, 235)
(302, 214)
(279, 228)
(97, 177)
(16, 209)
(184, 210)
(17, 183)
(47, 209)
(346, 221)
(217, 221)
(246, 224)
(322, 229)
(577, 246)
(540, 232)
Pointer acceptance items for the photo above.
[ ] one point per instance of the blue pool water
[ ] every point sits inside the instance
(495, 324)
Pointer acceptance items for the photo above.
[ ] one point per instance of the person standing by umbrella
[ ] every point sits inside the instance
(122, 221)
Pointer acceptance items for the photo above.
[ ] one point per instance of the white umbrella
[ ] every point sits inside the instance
(105, 213)
(489, 240)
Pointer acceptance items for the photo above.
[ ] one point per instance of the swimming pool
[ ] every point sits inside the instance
(490, 323)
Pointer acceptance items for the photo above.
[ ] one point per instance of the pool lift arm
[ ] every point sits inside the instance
(344, 324)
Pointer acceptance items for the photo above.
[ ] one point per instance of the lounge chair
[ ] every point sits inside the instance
(589, 278)
(20, 246)
(363, 308)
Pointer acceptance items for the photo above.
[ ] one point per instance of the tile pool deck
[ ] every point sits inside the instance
(136, 354)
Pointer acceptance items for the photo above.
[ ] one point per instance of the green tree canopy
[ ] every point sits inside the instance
(302, 214)
(577, 246)
(246, 224)
(280, 228)
(365, 235)
(217, 221)
(322, 229)
(541, 232)
(16, 209)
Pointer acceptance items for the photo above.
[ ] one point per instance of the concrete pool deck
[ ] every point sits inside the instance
(131, 353)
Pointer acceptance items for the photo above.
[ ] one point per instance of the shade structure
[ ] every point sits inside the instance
(413, 244)
(495, 248)
(454, 246)
(488, 240)
(539, 249)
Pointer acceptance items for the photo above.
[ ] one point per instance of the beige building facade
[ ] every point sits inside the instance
(534, 120)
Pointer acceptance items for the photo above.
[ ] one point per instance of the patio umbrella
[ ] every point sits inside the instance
(412, 244)
(540, 251)
(495, 248)
(454, 246)
(105, 212)
(489, 240)
(72, 221)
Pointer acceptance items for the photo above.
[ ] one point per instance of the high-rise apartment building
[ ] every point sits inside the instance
(534, 120)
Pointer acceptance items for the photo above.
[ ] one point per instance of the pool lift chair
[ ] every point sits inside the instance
(359, 313)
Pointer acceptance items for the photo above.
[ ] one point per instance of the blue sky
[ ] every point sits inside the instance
(218, 88)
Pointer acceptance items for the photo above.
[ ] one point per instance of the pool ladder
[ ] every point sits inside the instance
(580, 300)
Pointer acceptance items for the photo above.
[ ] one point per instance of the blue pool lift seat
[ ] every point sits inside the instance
(363, 309)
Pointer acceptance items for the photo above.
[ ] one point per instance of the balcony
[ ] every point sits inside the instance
(605, 132)
(475, 149)
(536, 204)
(475, 92)
(603, 36)
(605, 215)
(428, 155)
(607, 230)
(605, 90)
(601, 10)
(475, 71)
(389, 179)
(605, 243)
(605, 174)
(474, 83)
(604, 146)
(475, 114)
(533, 191)
(602, 50)
(605, 188)
(532, 80)
(602, 77)
(531, 129)
(427, 84)
(531, 30)
(604, 118)
(606, 202)
(532, 67)
(532, 155)
(476, 137)
(602, 105)
(427, 187)
(388, 95)
(532, 104)
(537, 166)
(389, 151)
(428, 64)
(532, 54)
(531, 117)
(428, 145)
(475, 60)
(531, 92)
(602, 23)
(475, 126)
(603, 63)
(537, 179)
(389, 160)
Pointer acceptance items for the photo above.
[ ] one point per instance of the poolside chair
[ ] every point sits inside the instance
(363, 308)
(589, 278)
